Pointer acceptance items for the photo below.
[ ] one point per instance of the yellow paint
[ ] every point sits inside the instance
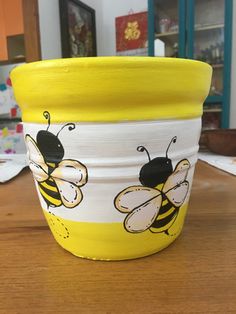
(51, 164)
(110, 241)
(163, 229)
(169, 212)
(5, 132)
(49, 187)
(52, 200)
(165, 201)
(111, 89)
(160, 186)
(132, 31)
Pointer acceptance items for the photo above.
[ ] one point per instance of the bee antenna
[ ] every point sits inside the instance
(142, 149)
(173, 140)
(48, 117)
(71, 126)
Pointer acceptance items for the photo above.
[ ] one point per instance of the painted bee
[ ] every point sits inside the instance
(155, 204)
(59, 180)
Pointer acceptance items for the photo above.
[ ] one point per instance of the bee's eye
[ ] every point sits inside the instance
(58, 145)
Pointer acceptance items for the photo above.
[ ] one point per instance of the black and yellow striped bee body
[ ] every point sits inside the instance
(166, 216)
(49, 189)
(50, 192)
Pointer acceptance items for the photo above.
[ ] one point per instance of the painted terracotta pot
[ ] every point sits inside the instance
(112, 144)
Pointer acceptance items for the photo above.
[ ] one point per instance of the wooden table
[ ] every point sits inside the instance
(197, 274)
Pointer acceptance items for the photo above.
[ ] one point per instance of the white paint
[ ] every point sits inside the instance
(233, 73)
(49, 24)
(109, 152)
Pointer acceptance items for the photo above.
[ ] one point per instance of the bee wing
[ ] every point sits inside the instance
(134, 196)
(36, 161)
(34, 153)
(178, 176)
(142, 217)
(178, 194)
(72, 171)
(70, 193)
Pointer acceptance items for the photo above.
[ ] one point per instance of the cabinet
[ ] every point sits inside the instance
(19, 42)
(11, 31)
(201, 30)
(19, 31)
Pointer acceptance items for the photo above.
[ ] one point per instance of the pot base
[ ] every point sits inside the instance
(110, 241)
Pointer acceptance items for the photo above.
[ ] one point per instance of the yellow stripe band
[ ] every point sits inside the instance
(49, 198)
(165, 202)
(51, 164)
(164, 228)
(110, 241)
(49, 187)
(170, 211)
(160, 186)
(123, 88)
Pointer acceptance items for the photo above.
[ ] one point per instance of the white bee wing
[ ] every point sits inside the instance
(34, 153)
(36, 160)
(39, 173)
(70, 194)
(71, 171)
(178, 176)
(178, 194)
(134, 196)
(142, 217)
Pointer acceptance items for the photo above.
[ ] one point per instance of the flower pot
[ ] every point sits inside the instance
(112, 144)
(219, 141)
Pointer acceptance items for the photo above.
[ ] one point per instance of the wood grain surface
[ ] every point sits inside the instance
(196, 274)
(31, 30)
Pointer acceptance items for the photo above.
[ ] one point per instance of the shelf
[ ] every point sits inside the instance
(212, 110)
(217, 66)
(197, 29)
(203, 149)
(208, 27)
(166, 34)
(214, 66)
(13, 61)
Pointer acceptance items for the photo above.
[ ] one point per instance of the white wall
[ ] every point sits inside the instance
(233, 73)
(106, 12)
(49, 23)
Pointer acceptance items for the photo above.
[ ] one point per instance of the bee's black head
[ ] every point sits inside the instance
(157, 170)
(49, 144)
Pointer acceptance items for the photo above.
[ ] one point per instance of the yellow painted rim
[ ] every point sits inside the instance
(107, 89)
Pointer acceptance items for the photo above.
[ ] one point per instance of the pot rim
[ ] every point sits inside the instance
(114, 60)
(107, 89)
